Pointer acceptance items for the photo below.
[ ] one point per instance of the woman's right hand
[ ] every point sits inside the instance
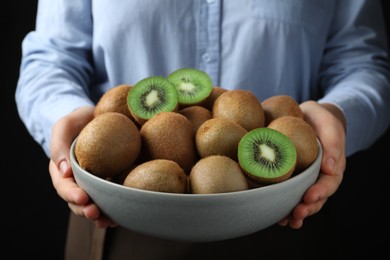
(63, 134)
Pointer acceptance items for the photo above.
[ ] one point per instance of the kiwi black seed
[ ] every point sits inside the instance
(266, 155)
(150, 96)
(193, 86)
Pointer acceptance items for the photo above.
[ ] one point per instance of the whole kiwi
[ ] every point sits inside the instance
(217, 174)
(169, 135)
(196, 114)
(241, 106)
(219, 136)
(303, 137)
(280, 105)
(114, 100)
(108, 145)
(158, 175)
(209, 101)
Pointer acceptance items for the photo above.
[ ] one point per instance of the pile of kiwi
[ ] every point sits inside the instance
(186, 135)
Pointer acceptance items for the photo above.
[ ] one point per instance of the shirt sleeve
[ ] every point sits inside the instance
(56, 66)
(355, 71)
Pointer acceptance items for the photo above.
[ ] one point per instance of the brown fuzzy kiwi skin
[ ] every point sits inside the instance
(141, 121)
(302, 135)
(209, 101)
(158, 175)
(219, 136)
(115, 100)
(108, 145)
(280, 105)
(260, 181)
(169, 135)
(217, 174)
(196, 114)
(241, 106)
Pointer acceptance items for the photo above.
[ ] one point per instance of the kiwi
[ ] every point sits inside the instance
(217, 174)
(193, 85)
(114, 100)
(209, 102)
(169, 135)
(219, 136)
(266, 155)
(196, 114)
(150, 96)
(241, 106)
(280, 105)
(108, 145)
(158, 175)
(302, 135)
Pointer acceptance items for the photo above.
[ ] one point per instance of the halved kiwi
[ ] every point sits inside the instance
(193, 85)
(150, 96)
(266, 155)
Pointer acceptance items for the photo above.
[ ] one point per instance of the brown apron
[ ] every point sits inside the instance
(87, 242)
(319, 234)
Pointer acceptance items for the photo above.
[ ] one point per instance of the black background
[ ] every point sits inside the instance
(34, 218)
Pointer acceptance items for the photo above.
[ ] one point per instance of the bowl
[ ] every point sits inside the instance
(196, 217)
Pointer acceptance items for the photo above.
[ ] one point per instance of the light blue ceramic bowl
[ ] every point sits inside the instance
(196, 217)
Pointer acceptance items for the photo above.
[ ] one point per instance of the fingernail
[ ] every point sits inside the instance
(63, 167)
(331, 164)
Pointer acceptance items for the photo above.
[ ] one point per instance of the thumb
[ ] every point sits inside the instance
(63, 134)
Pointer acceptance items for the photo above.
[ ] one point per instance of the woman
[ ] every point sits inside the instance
(329, 55)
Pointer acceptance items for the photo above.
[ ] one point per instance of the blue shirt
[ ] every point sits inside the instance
(327, 50)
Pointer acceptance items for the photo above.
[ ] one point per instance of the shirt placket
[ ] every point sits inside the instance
(209, 38)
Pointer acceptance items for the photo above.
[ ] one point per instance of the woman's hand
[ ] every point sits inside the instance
(329, 124)
(63, 134)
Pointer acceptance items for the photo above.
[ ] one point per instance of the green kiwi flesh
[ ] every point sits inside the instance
(267, 155)
(193, 85)
(150, 96)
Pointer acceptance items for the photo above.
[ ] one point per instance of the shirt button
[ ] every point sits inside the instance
(206, 57)
(210, 1)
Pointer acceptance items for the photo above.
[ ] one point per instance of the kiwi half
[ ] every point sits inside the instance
(150, 96)
(193, 86)
(266, 155)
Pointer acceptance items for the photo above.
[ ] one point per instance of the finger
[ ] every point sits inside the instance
(104, 222)
(329, 124)
(67, 188)
(64, 132)
(304, 210)
(295, 223)
(283, 222)
(325, 187)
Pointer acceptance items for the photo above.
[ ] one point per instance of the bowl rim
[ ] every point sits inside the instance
(294, 178)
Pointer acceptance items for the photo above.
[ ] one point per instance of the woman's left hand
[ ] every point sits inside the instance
(329, 124)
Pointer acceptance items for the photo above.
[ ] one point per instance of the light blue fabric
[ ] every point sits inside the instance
(303, 48)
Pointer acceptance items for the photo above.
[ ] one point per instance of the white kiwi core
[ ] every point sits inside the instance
(152, 98)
